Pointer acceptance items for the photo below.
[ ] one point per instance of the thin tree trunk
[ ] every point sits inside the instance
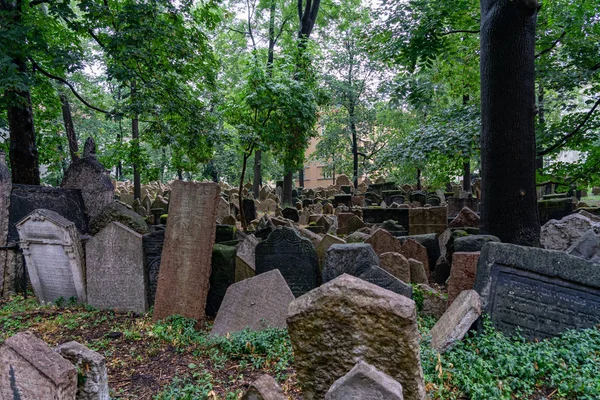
(241, 191)
(69, 127)
(467, 176)
(301, 177)
(287, 189)
(418, 179)
(354, 149)
(135, 134)
(257, 181)
(508, 151)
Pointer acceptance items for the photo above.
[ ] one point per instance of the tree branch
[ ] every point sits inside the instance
(553, 45)
(459, 31)
(565, 138)
(34, 3)
(59, 79)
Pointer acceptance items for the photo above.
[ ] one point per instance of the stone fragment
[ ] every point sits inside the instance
(186, 258)
(255, 303)
(472, 243)
(352, 259)
(93, 384)
(118, 212)
(456, 321)
(30, 370)
(347, 320)
(586, 247)
(417, 271)
(364, 381)
(561, 234)
(413, 249)
(115, 270)
(54, 256)
(383, 242)
(396, 264)
(465, 218)
(245, 259)
(434, 302)
(357, 237)
(324, 245)
(264, 388)
(293, 256)
(222, 276)
(462, 274)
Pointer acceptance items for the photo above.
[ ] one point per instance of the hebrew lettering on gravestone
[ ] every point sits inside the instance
(540, 293)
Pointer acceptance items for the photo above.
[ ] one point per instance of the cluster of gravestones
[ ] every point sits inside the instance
(339, 278)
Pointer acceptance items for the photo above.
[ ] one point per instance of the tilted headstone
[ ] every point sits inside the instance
(186, 258)
(364, 381)
(384, 279)
(396, 264)
(222, 276)
(351, 258)
(434, 302)
(561, 234)
(293, 256)
(256, 303)
(324, 245)
(30, 370)
(383, 242)
(456, 321)
(465, 218)
(264, 388)
(89, 175)
(94, 382)
(115, 270)
(586, 247)
(347, 320)
(542, 292)
(152, 244)
(413, 249)
(462, 273)
(54, 256)
(245, 259)
(417, 271)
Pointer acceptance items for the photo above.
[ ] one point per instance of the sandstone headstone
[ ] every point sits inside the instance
(327, 241)
(264, 388)
(222, 276)
(396, 264)
(293, 256)
(364, 381)
(541, 291)
(383, 242)
(118, 212)
(417, 271)
(456, 321)
(54, 256)
(152, 244)
(427, 220)
(245, 259)
(89, 175)
(462, 274)
(94, 382)
(413, 249)
(186, 258)
(465, 218)
(30, 370)
(434, 302)
(352, 259)
(256, 303)
(348, 320)
(222, 210)
(115, 270)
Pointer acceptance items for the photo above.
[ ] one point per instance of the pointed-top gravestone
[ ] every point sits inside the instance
(115, 270)
(383, 242)
(364, 381)
(54, 256)
(187, 251)
(293, 256)
(351, 258)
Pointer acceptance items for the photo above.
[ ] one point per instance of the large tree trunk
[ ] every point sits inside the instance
(23, 150)
(287, 189)
(509, 201)
(69, 127)
(257, 181)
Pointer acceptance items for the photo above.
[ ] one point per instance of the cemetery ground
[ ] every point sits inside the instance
(172, 359)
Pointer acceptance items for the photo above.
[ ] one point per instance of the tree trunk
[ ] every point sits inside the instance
(241, 191)
(301, 177)
(509, 201)
(135, 134)
(354, 150)
(539, 161)
(69, 127)
(467, 176)
(257, 181)
(287, 189)
(418, 179)
(23, 151)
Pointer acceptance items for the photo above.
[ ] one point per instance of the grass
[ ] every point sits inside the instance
(172, 360)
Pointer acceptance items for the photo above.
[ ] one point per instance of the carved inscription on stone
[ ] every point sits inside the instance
(153, 245)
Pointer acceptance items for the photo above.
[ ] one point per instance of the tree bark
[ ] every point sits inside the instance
(257, 181)
(135, 134)
(509, 201)
(23, 150)
(287, 189)
(467, 176)
(418, 179)
(69, 127)
(301, 177)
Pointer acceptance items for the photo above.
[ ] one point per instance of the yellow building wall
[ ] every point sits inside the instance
(313, 174)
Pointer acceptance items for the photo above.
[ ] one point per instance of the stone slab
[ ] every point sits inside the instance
(364, 381)
(456, 321)
(427, 220)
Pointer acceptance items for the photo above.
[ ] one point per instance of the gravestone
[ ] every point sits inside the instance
(396, 264)
(264, 388)
(89, 175)
(364, 381)
(462, 273)
(152, 244)
(351, 258)
(222, 276)
(222, 209)
(245, 258)
(377, 215)
(434, 302)
(186, 258)
(256, 303)
(347, 320)
(53, 255)
(92, 367)
(417, 272)
(115, 270)
(293, 256)
(542, 292)
(291, 213)
(118, 212)
(385, 280)
(383, 242)
(30, 370)
(413, 249)
(427, 220)
(327, 241)
(249, 210)
(465, 218)
(456, 321)
(561, 234)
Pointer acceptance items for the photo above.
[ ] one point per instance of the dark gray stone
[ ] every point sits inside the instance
(291, 213)
(222, 276)
(293, 256)
(586, 247)
(249, 210)
(384, 279)
(472, 243)
(378, 215)
(118, 212)
(351, 258)
(225, 233)
(364, 381)
(543, 292)
(152, 244)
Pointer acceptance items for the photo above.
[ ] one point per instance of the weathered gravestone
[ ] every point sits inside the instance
(264, 388)
(427, 220)
(383, 242)
(93, 384)
(186, 258)
(462, 273)
(249, 210)
(542, 292)
(293, 256)
(324, 245)
(222, 276)
(152, 244)
(396, 264)
(384, 279)
(256, 303)
(456, 321)
(90, 176)
(30, 370)
(115, 270)
(364, 381)
(348, 320)
(53, 255)
(245, 259)
(351, 258)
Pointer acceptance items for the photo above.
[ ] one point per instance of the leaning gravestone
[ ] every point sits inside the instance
(115, 270)
(152, 244)
(89, 175)
(324, 245)
(245, 258)
(91, 366)
(222, 276)
(256, 303)
(293, 256)
(348, 320)
(53, 255)
(541, 292)
(364, 381)
(351, 258)
(384, 279)
(30, 370)
(186, 258)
